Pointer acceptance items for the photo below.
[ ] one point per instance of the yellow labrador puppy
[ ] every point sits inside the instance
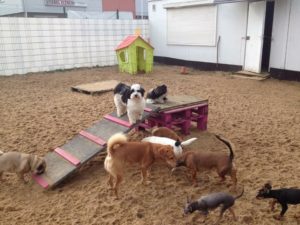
(21, 163)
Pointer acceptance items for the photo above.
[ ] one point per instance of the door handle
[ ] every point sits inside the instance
(246, 38)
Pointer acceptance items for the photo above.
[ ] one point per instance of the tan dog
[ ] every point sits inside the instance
(21, 163)
(195, 161)
(166, 132)
(120, 152)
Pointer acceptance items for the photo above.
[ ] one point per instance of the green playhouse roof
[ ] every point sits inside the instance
(129, 40)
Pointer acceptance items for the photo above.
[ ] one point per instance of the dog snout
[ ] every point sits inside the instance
(136, 95)
(40, 170)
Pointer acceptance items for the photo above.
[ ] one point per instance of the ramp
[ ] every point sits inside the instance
(66, 159)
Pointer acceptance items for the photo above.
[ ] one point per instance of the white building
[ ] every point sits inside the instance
(47, 8)
(228, 35)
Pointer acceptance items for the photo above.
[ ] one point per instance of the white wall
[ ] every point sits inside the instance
(286, 36)
(231, 27)
(11, 7)
(45, 44)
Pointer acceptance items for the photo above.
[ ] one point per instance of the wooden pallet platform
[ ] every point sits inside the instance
(96, 88)
(180, 101)
(66, 159)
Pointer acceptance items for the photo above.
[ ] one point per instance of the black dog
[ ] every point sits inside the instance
(282, 196)
(157, 95)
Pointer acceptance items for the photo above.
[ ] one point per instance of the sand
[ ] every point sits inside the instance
(38, 112)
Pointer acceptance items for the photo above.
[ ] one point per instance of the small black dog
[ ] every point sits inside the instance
(283, 196)
(157, 95)
(212, 201)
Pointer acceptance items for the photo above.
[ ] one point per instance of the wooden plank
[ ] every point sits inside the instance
(147, 109)
(104, 129)
(40, 180)
(117, 120)
(82, 148)
(185, 108)
(96, 88)
(57, 169)
(67, 156)
(92, 137)
(124, 121)
(179, 102)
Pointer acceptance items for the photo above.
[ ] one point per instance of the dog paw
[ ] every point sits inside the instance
(147, 182)
(278, 217)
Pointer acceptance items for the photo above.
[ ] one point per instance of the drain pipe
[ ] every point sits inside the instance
(218, 41)
(287, 36)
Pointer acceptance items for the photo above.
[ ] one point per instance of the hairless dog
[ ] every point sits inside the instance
(213, 201)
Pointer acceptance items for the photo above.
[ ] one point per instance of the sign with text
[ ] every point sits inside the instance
(63, 3)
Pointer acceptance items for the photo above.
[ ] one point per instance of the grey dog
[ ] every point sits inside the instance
(212, 201)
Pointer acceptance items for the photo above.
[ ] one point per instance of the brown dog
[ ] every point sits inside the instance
(120, 151)
(166, 132)
(195, 161)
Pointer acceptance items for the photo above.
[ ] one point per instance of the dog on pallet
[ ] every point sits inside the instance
(283, 196)
(213, 201)
(130, 100)
(21, 164)
(197, 160)
(120, 152)
(157, 95)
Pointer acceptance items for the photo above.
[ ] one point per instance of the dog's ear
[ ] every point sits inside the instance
(188, 200)
(126, 95)
(177, 143)
(142, 90)
(268, 186)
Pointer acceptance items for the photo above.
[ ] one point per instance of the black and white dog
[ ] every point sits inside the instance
(157, 95)
(130, 99)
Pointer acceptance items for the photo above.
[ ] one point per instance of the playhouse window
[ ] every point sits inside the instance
(194, 25)
(124, 56)
(145, 54)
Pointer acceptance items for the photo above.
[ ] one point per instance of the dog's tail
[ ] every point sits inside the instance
(116, 139)
(153, 130)
(229, 145)
(240, 195)
(188, 142)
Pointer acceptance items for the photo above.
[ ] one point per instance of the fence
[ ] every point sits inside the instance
(45, 44)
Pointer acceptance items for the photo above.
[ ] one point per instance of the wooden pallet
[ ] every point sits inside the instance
(66, 159)
(180, 112)
(96, 88)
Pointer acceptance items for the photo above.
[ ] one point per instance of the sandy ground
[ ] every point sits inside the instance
(38, 112)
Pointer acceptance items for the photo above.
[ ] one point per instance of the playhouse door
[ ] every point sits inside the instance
(141, 63)
(254, 38)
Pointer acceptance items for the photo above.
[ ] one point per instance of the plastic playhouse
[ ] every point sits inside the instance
(135, 55)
